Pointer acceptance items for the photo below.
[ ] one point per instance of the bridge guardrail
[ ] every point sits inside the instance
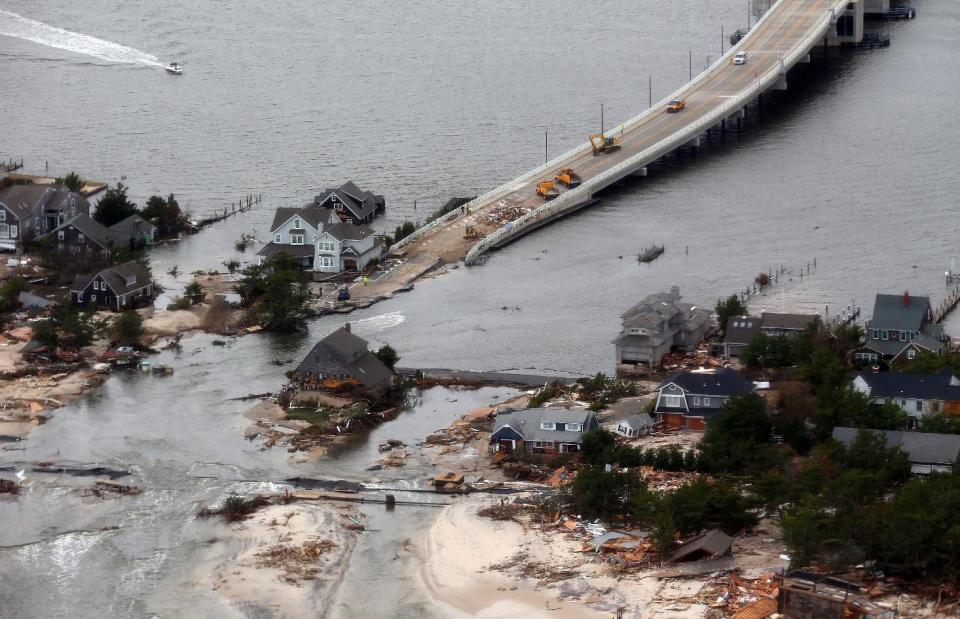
(662, 147)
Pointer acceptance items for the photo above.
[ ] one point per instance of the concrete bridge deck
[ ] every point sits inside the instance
(783, 37)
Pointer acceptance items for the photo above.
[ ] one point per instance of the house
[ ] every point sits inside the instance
(28, 211)
(135, 231)
(807, 594)
(635, 425)
(927, 452)
(542, 430)
(901, 327)
(917, 394)
(739, 332)
(657, 325)
(742, 329)
(320, 241)
(351, 204)
(689, 399)
(117, 288)
(343, 356)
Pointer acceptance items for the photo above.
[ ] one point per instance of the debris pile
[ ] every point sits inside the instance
(504, 213)
(296, 563)
(9, 487)
(695, 359)
(107, 488)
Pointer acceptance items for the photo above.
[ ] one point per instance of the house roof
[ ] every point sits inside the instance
(359, 202)
(30, 300)
(899, 312)
(132, 226)
(282, 216)
(796, 322)
(723, 382)
(915, 386)
(91, 228)
(711, 543)
(741, 329)
(652, 310)
(116, 277)
(297, 251)
(641, 420)
(343, 353)
(23, 200)
(345, 232)
(526, 423)
(920, 447)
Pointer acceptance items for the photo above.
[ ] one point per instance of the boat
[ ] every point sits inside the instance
(651, 253)
(174, 67)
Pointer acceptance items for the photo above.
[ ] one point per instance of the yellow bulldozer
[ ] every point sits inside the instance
(568, 178)
(547, 190)
(603, 144)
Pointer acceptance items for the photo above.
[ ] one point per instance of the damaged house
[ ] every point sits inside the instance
(341, 357)
(657, 325)
(542, 430)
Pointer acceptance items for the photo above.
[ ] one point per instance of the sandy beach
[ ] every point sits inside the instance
(285, 561)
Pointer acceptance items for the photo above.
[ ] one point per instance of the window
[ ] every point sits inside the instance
(543, 444)
(574, 427)
(706, 401)
(903, 336)
(325, 246)
(696, 401)
(93, 298)
(296, 223)
(276, 237)
(919, 406)
(911, 353)
(96, 285)
(13, 231)
(296, 239)
(673, 401)
(4, 231)
(876, 334)
(3, 215)
(326, 261)
(123, 300)
(349, 220)
(885, 333)
(60, 235)
(548, 425)
(338, 207)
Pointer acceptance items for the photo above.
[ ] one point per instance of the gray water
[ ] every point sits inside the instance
(422, 101)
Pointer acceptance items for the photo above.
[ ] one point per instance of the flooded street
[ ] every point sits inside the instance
(444, 101)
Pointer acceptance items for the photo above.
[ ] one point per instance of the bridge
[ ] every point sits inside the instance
(783, 37)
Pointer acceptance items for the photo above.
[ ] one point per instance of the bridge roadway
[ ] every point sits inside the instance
(783, 37)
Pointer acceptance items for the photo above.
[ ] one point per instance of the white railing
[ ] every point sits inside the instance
(580, 194)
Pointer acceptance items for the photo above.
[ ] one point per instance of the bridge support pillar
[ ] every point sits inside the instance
(641, 172)
(805, 59)
(695, 142)
(781, 83)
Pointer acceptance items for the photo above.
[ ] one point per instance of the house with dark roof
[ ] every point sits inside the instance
(917, 394)
(320, 241)
(657, 325)
(343, 356)
(117, 288)
(83, 235)
(134, 231)
(901, 327)
(28, 211)
(350, 203)
(741, 329)
(542, 430)
(927, 452)
(689, 399)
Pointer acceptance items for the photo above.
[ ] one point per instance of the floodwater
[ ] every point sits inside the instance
(853, 167)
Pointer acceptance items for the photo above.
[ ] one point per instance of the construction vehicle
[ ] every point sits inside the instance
(470, 232)
(603, 144)
(568, 178)
(547, 190)
(676, 105)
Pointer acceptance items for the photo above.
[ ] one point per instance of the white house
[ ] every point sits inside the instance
(635, 425)
(320, 241)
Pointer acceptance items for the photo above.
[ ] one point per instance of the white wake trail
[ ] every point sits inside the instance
(14, 25)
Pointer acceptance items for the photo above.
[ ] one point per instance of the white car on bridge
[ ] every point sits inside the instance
(740, 58)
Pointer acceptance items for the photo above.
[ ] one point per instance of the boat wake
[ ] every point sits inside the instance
(14, 25)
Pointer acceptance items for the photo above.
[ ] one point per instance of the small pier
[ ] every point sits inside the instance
(10, 165)
(243, 205)
(947, 306)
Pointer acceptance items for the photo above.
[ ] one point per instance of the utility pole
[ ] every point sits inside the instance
(748, 14)
(601, 118)
(650, 90)
(721, 39)
(546, 142)
(691, 64)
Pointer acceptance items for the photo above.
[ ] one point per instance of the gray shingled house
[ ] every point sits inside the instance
(917, 394)
(116, 288)
(901, 327)
(542, 430)
(689, 399)
(32, 210)
(926, 451)
(343, 356)
(657, 325)
(351, 204)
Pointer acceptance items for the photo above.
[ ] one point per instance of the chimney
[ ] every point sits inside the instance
(675, 292)
(347, 327)
(906, 299)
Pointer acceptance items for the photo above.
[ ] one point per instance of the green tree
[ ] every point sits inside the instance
(277, 291)
(940, 424)
(78, 328)
(597, 493)
(928, 362)
(45, 332)
(768, 352)
(166, 214)
(738, 438)
(388, 356)
(114, 206)
(728, 308)
(597, 446)
(194, 292)
(403, 231)
(127, 328)
(71, 181)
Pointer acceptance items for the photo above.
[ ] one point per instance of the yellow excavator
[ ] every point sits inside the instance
(603, 144)
(547, 190)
